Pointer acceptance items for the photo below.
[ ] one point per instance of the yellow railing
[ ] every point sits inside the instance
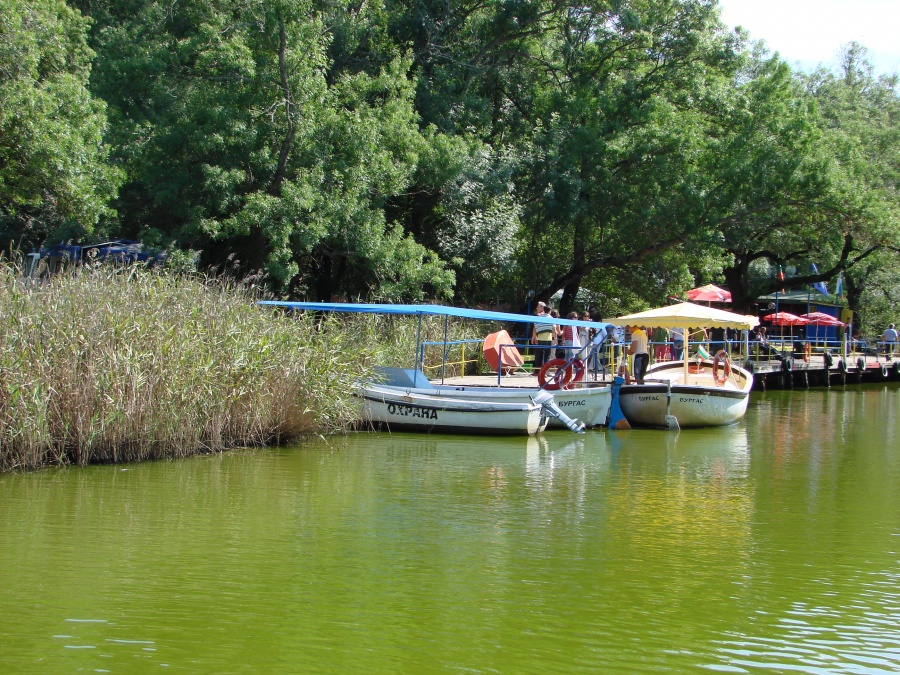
(452, 357)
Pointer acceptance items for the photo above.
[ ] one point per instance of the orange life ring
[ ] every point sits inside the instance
(721, 357)
(563, 377)
(807, 351)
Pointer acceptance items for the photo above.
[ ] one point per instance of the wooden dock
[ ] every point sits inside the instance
(786, 373)
(796, 373)
(791, 371)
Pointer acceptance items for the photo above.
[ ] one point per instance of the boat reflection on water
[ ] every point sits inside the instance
(687, 491)
(555, 449)
(724, 450)
(727, 447)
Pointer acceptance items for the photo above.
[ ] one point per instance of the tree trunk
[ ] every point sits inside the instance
(570, 293)
(737, 278)
(257, 250)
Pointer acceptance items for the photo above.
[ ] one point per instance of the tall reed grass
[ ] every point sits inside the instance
(122, 364)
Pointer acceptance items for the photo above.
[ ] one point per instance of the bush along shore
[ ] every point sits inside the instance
(124, 364)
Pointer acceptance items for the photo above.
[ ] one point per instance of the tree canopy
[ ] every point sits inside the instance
(611, 152)
(53, 168)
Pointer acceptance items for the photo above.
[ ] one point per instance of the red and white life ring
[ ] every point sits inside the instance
(563, 377)
(721, 358)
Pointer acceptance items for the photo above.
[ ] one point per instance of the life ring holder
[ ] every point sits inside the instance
(571, 373)
(696, 367)
(721, 357)
(807, 351)
(622, 370)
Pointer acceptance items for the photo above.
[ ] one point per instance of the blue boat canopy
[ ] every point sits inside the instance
(429, 310)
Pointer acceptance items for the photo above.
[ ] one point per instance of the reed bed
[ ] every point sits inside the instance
(123, 364)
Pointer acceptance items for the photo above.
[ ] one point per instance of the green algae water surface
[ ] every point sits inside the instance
(771, 546)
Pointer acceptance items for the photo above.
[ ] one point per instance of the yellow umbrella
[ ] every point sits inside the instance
(686, 315)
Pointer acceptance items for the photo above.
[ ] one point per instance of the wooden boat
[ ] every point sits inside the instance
(709, 392)
(706, 398)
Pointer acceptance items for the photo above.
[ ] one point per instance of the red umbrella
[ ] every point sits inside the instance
(822, 319)
(709, 293)
(785, 319)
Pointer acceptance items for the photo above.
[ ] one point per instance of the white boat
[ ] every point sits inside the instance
(588, 402)
(701, 400)
(396, 408)
(706, 393)
(406, 399)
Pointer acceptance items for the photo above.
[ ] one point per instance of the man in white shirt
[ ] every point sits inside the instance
(640, 350)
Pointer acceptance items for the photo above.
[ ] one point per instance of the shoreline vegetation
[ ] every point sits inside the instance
(123, 364)
(126, 364)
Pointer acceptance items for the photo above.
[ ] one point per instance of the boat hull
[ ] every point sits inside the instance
(703, 404)
(409, 410)
(589, 404)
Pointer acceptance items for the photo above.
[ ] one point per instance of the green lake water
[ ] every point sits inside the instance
(771, 546)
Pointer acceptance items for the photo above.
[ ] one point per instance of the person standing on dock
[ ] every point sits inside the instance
(660, 339)
(585, 335)
(639, 349)
(542, 337)
(677, 337)
(571, 340)
(889, 339)
(557, 336)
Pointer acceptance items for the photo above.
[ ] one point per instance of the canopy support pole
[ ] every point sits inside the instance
(420, 352)
(446, 349)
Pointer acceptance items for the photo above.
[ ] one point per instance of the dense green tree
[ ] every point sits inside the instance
(806, 176)
(401, 150)
(472, 63)
(860, 118)
(53, 171)
(767, 195)
(612, 179)
(239, 139)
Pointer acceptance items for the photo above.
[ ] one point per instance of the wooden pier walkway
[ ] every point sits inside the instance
(790, 371)
(819, 371)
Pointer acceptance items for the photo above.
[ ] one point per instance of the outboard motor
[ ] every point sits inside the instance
(550, 409)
